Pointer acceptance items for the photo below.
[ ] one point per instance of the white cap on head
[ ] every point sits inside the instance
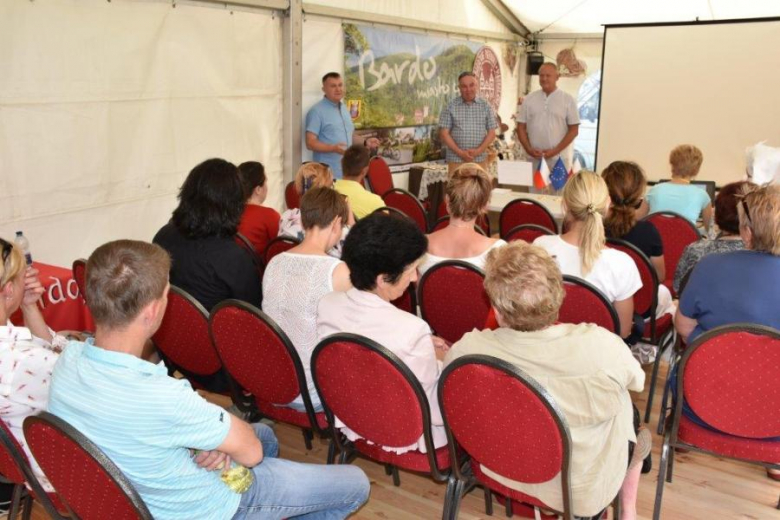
(763, 163)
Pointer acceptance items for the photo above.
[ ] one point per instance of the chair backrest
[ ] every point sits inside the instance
(291, 197)
(380, 179)
(729, 378)
(442, 209)
(408, 300)
(502, 418)
(244, 242)
(584, 303)
(646, 298)
(278, 245)
(183, 336)
(676, 233)
(527, 232)
(371, 391)
(90, 484)
(452, 299)
(408, 204)
(525, 211)
(80, 275)
(257, 354)
(444, 221)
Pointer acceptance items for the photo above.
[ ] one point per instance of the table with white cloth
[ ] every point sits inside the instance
(428, 180)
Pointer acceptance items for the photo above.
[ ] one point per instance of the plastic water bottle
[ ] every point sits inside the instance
(22, 243)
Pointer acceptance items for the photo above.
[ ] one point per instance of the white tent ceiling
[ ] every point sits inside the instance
(588, 16)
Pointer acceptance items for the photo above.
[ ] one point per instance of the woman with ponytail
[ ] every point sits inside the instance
(626, 183)
(581, 250)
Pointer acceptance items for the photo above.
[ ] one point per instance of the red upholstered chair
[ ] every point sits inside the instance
(408, 300)
(527, 232)
(477, 395)
(442, 209)
(80, 275)
(730, 378)
(262, 360)
(676, 233)
(377, 396)
(90, 484)
(380, 180)
(291, 197)
(444, 221)
(278, 245)
(408, 204)
(525, 211)
(183, 340)
(244, 242)
(584, 303)
(452, 299)
(15, 469)
(657, 331)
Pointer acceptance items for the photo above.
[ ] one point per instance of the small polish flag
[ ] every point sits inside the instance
(542, 175)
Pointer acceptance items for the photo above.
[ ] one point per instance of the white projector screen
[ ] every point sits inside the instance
(713, 85)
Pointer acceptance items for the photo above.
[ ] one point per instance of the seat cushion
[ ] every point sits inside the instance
(739, 447)
(411, 460)
(502, 489)
(290, 416)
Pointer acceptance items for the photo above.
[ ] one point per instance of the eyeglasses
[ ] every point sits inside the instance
(7, 248)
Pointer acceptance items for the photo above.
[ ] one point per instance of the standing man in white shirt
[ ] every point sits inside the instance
(548, 120)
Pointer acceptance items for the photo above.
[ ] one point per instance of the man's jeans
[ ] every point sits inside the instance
(286, 489)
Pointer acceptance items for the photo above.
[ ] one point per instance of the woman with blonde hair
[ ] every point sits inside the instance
(581, 251)
(27, 354)
(467, 197)
(311, 175)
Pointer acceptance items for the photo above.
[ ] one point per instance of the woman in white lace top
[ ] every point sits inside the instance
(295, 281)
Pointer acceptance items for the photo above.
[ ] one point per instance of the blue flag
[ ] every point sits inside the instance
(559, 175)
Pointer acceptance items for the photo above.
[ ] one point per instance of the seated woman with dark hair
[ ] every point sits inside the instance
(585, 368)
(467, 198)
(382, 253)
(259, 223)
(296, 280)
(728, 238)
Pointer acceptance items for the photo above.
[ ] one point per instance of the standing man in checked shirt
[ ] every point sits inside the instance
(329, 126)
(467, 126)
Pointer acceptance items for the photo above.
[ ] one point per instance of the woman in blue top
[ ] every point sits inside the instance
(678, 195)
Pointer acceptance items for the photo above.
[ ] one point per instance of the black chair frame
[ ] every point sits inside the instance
(462, 480)
(238, 392)
(281, 238)
(93, 451)
(345, 446)
(256, 258)
(416, 200)
(21, 496)
(502, 232)
(671, 439)
(508, 236)
(387, 210)
(446, 218)
(441, 265)
(593, 289)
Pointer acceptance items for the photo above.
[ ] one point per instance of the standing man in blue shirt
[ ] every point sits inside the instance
(147, 423)
(467, 126)
(329, 127)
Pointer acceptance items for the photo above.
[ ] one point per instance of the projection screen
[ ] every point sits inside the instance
(711, 84)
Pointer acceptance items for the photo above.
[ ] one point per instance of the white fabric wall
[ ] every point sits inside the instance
(587, 50)
(105, 107)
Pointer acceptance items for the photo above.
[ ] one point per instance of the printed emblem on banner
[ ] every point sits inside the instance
(354, 106)
(488, 73)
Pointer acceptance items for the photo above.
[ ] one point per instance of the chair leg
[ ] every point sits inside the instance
(508, 507)
(28, 506)
(671, 466)
(396, 477)
(653, 380)
(488, 501)
(451, 499)
(388, 469)
(16, 499)
(331, 452)
(307, 437)
(665, 398)
(659, 492)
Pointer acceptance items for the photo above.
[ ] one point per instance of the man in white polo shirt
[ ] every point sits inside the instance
(548, 120)
(147, 423)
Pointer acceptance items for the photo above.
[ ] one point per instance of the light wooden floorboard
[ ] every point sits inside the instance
(704, 487)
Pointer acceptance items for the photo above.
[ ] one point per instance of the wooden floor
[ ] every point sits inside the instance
(704, 487)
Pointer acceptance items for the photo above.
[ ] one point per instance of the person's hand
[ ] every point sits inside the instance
(339, 148)
(440, 347)
(212, 460)
(536, 153)
(33, 288)
(475, 152)
(466, 155)
(552, 152)
(372, 143)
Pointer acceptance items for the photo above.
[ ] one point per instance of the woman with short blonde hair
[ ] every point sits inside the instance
(467, 197)
(581, 251)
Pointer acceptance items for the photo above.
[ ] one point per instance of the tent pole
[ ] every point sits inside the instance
(292, 66)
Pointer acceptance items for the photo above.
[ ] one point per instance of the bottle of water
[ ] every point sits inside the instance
(22, 243)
